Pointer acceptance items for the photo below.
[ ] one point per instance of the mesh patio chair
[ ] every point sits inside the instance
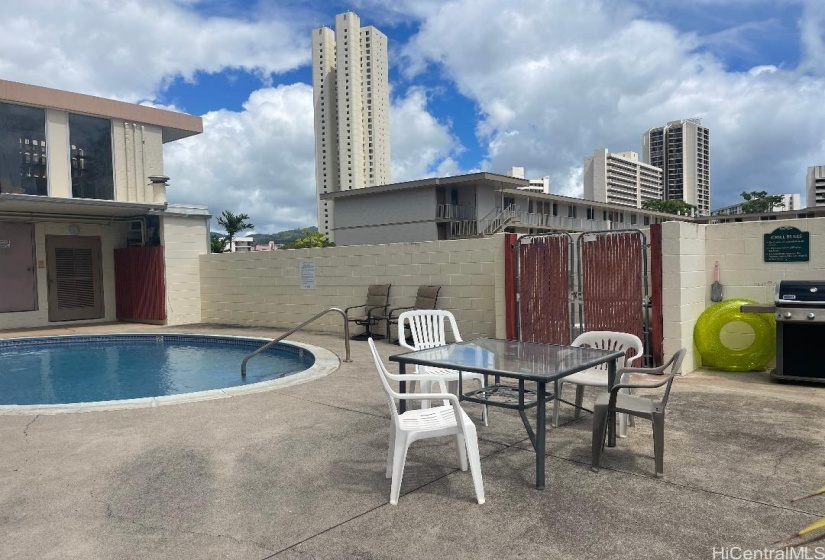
(425, 298)
(448, 419)
(620, 402)
(597, 376)
(378, 300)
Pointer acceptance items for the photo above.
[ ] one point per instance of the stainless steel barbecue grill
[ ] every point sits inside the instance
(799, 309)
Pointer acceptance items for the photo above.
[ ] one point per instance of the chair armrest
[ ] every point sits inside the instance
(394, 309)
(649, 371)
(616, 388)
(346, 310)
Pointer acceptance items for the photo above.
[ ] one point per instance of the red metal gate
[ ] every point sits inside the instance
(611, 287)
(544, 284)
(613, 282)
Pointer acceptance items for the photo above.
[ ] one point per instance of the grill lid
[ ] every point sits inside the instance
(800, 292)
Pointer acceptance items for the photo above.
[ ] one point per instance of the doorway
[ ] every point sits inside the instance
(75, 278)
(18, 281)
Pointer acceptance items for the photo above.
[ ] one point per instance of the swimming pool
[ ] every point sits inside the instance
(141, 369)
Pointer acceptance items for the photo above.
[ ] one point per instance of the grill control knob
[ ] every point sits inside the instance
(788, 314)
(811, 316)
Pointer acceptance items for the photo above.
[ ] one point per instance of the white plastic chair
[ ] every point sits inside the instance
(437, 421)
(597, 376)
(428, 330)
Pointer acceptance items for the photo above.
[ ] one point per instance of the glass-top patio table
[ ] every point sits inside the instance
(520, 361)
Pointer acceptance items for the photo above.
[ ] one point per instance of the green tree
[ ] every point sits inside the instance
(309, 239)
(218, 243)
(669, 206)
(233, 223)
(760, 201)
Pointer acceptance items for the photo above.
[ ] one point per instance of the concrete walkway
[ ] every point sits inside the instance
(299, 473)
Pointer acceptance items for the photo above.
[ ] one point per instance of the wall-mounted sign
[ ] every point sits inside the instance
(5, 243)
(787, 244)
(306, 274)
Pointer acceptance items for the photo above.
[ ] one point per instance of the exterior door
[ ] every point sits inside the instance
(75, 278)
(18, 274)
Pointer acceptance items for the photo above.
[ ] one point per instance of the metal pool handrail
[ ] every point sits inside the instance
(296, 329)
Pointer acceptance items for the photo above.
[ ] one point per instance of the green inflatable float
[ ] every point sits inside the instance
(708, 330)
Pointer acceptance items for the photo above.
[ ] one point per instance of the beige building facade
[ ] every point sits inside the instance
(815, 186)
(82, 188)
(620, 179)
(350, 82)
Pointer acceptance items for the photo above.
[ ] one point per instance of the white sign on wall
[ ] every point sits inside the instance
(306, 274)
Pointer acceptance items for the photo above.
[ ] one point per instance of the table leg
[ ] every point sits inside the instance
(402, 387)
(541, 424)
(611, 416)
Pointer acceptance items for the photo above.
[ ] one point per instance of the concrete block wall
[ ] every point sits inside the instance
(690, 252)
(738, 248)
(263, 288)
(184, 240)
(684, 283)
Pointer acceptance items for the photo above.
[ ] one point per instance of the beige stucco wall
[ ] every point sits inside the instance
(262, 288)
(111, 237)
(185, 239)
(137, 152)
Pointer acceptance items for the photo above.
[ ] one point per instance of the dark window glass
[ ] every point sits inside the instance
(91, 152)
(22, 150)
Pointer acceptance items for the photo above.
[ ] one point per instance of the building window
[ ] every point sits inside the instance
(571, 211)
(23, 150)
(90, 139)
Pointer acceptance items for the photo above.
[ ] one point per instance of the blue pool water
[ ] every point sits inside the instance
(60, 370)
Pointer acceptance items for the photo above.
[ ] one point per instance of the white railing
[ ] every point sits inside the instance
(504, 217)
(455, 212)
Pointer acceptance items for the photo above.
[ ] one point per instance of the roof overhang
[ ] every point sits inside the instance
(473, 179)
(22, 206)
(173, 125)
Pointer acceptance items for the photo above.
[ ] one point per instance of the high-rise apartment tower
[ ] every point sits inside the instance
(815, 186)
(681, 149)
(351, 97)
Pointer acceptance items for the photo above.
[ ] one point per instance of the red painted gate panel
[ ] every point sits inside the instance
(612, 275)
(140, 283)
(544, 291)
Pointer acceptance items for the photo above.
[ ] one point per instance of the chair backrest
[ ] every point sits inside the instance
(609, 340)
(378, 295)
(427, 328)
(385, 377)
(426, 297)
(675, 363)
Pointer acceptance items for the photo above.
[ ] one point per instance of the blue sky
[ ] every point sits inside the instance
(476, 85)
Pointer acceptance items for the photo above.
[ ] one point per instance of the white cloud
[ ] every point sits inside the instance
(420, 145)
(130, 49)
(258, 161)
(573, 77)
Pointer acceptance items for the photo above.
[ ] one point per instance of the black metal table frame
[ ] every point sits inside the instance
(537, 436)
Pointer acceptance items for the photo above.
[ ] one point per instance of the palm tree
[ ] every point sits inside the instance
(233, 223)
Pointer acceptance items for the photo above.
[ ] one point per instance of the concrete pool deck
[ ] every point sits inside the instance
(297, 472)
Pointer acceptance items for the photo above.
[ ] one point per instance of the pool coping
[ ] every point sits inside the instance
(326, 362)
